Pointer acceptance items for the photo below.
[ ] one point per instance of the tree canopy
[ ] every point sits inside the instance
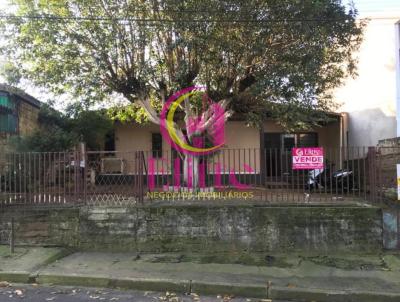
(278, 58)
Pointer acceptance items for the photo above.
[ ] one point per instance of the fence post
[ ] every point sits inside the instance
(136, 176)
(372, 173)
(79, 172)
(263, 174)
(83, 157)
(141, 177)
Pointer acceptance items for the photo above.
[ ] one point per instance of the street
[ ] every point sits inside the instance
(39, 293)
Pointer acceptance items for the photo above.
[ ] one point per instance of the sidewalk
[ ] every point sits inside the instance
(19, 266)
(309, 278)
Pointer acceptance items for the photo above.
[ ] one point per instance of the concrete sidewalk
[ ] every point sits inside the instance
(25, 261)
(309, 278)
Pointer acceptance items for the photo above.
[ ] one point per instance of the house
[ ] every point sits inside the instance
(370, 98)
(265, 151)
(18, 114)
(371, 101)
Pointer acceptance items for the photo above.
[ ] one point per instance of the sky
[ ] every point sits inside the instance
(377, 6)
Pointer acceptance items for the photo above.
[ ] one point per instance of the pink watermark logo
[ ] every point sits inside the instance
(210, 121)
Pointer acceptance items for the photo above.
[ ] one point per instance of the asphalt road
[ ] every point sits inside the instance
(39, 293)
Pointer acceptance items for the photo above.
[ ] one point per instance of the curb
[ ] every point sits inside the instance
(253, 291)
(16, 277)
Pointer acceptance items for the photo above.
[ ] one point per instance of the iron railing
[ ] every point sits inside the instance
(267, 174)
(39, 178)
(262, 175)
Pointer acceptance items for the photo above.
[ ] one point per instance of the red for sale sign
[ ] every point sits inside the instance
(307, 158)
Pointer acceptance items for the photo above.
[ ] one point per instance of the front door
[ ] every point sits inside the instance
(272, 146)
(278, 148)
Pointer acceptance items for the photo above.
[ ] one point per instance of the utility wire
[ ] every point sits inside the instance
(152, 20)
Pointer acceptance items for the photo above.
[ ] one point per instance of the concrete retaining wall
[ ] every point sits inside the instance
(203, 229)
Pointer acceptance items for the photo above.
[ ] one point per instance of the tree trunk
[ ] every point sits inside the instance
(191, 171)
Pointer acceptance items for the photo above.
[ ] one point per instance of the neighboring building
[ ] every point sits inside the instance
(18, 114)
(370, 98)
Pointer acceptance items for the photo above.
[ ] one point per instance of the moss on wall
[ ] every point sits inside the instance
(205, 229)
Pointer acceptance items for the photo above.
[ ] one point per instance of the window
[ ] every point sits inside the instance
(156, 144)
(286, 142)
(6, 102)
(109, 143)
(307, 139)
(8, 114)
(8, 123)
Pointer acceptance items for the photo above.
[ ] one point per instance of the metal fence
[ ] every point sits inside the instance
(66, 178)
(356, 174)
(40, 178)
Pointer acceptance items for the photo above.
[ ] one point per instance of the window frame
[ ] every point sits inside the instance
(156, 153)
(10, 111)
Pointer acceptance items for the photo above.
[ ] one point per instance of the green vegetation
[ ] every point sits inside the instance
(263, 59)
(61, 132)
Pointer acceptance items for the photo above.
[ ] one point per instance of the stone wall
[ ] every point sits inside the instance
(389, 157)
(27, 118)
(204, 229)
(41, 226)
(3, 150)
(27, 123)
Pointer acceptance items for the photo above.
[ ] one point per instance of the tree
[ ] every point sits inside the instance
(277, 57)
(59, 132)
